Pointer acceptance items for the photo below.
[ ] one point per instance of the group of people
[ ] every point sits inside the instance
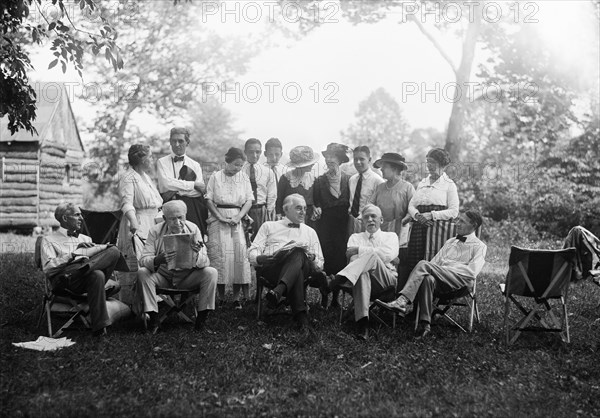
(288, 224)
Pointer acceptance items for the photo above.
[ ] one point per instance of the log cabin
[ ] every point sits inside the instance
(39, 171)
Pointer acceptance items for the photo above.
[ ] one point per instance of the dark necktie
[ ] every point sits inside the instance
(293, 225)
(177, 158)
(73, 234)
(275, 173)
(461, 238)
(253, 181)
(356, 200)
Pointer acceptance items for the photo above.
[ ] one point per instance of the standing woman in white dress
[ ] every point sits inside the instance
(140, 205)
(229, 198)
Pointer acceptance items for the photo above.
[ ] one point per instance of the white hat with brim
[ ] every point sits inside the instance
(302, 156)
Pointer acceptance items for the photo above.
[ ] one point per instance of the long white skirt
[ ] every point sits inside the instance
(227, 249)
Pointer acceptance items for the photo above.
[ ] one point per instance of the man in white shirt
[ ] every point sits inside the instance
(370, 271)
(289, 272)
(273, 154)
(180, 177)
(262, 181)
(64, 261)
(455, 266)
(362, 186)
(154, 271)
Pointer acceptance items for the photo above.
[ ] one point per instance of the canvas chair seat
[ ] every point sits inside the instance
(176, 301)
(535, 278)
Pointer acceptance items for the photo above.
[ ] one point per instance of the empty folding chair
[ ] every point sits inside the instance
(536, 278)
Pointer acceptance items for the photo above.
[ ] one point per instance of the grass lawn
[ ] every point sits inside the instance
(250, 368)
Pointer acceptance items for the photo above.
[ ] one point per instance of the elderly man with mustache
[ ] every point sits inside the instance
(370, 271)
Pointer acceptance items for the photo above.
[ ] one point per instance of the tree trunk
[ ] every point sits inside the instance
(463, 74)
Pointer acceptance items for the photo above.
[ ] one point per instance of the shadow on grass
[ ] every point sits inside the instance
(247, 367)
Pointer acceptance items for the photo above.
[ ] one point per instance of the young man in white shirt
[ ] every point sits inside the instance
(288, 274)
(370, 271)
(364, 181)
(263, 183)
(273, 154)
(180, 177)
(455, 266)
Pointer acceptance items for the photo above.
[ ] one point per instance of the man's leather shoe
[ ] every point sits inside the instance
(99, 332)
(400, 305)
(153, 322)
(363, 333)
(301, 319)
(273, 298)
(423, 331)
(335, 282)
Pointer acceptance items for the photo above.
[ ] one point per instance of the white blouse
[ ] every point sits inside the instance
(138, 192)
(440, 192)
(229, 190)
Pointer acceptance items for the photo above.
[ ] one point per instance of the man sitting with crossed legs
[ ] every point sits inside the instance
(455, 266)
(370, 270)
(289, 274)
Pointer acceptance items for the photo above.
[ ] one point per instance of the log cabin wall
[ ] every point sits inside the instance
(18, 185)
(39, 172)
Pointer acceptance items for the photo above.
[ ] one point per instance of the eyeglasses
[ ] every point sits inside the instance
(300, 209)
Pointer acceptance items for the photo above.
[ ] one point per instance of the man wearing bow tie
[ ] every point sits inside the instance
(287, 271)
(68, 268)
(180, 177)
(455, 266)
(370, 271)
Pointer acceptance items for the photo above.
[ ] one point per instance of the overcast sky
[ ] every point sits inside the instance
(306, 91)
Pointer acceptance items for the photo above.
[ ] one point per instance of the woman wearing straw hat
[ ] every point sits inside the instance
(332, 196)
(394, 195)
(300, 179)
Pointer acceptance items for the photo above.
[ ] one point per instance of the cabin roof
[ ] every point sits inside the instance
(50, 98)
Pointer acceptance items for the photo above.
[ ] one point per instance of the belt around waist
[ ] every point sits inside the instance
(229, 207)
(259, 205)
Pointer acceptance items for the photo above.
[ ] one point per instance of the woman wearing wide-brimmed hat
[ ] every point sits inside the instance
(393, 196)
(299, 179)
(332, 196)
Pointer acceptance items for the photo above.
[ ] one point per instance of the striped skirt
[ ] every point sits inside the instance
(425, 242)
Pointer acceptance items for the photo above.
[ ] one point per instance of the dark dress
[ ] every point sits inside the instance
(332, 228)
(284, 189)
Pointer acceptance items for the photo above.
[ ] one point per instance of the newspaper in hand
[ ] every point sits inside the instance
(87, 252)
(284, 251)
(181, 244)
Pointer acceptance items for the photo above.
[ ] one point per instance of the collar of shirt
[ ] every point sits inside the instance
(441, 179)
(62, 231)
(468, 237)
(172, 155)
(285, 221)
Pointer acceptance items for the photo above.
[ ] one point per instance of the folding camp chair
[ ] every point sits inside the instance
(261, 284)
(541, 275)
(463, 297)
(64, 303)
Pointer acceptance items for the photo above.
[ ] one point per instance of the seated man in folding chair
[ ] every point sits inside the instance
(370, 271)
(73, 263)
(289, 269)
(455, 266)
(154, 272)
